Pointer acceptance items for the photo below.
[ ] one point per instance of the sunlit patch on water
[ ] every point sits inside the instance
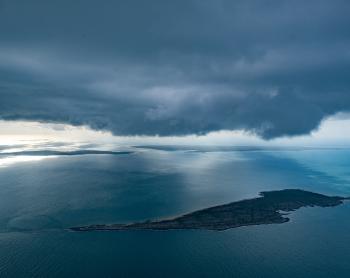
(10, 160)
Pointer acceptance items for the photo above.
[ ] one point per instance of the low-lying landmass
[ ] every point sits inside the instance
(270, 208)
(63, 153)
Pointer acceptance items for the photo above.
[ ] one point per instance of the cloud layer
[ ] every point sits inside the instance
(162, 67)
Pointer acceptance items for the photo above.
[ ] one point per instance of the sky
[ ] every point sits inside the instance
(20, 135)
(246, 71)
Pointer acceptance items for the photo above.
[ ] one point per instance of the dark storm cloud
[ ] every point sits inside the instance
(176, 67)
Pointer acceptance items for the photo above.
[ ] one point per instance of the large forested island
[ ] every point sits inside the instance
(271, 207)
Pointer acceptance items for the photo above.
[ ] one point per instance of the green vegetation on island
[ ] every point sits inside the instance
(270, 208)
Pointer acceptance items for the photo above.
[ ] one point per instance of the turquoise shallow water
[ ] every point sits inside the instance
(40, 199)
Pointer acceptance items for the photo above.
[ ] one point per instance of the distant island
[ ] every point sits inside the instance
(270, 208)
(63, 153)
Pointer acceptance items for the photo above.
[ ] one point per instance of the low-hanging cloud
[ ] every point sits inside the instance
(274, 68)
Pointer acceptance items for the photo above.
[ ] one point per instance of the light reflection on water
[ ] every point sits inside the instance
(9, 160)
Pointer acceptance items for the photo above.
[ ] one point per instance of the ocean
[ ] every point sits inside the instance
(41, 198)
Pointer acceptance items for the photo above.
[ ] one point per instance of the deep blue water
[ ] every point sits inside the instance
(40, 199)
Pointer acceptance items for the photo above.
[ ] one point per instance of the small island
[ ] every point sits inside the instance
(63, 153)
(270, 208)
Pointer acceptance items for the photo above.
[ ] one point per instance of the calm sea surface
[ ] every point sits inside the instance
(40, 199)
